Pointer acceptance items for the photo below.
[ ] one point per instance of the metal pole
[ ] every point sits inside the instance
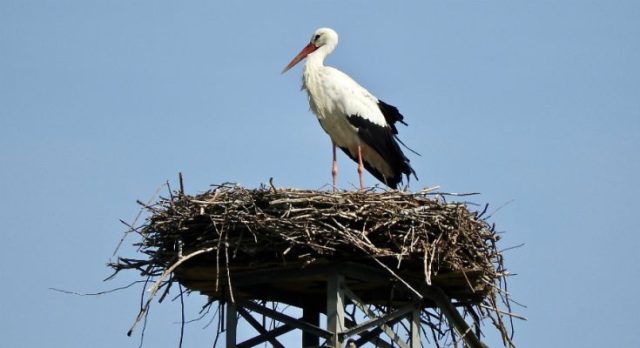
(335, 309)
(415, 329)
(312, 317)
(231, 325)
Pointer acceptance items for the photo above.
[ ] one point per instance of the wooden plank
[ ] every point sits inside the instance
(307, 282)
(260, 274)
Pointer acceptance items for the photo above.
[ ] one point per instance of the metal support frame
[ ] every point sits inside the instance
(258, 327)
(383, 325)
(453, 316)
(338, 328)
(337, 294)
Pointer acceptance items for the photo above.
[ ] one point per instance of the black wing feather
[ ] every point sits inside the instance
(383, 140)
(391, 115)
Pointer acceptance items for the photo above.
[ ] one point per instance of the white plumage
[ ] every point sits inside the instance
(359, 123)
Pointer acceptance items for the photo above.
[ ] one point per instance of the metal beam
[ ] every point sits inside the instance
(377, 321)
(453, 316)
(335, 309)
(252, 342)
(371, 315)
(414, 340)
(231, 325)
(283, 318)
(373, 336)
(312, 317)
(256, 325)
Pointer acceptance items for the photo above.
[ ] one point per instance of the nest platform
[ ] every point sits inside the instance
(390, 248)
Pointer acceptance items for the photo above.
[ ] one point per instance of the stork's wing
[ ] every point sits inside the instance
(375, 123)
(391, 115)
(382, 140)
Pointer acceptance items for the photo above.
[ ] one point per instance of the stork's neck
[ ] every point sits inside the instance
(315, 60)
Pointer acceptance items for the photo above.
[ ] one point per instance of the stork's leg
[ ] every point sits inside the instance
(360, 167)
(334, 166)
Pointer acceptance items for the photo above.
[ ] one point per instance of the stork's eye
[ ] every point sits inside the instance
(315, 38)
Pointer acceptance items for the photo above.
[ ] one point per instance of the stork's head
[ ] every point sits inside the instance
(324, 40)
(324, 37)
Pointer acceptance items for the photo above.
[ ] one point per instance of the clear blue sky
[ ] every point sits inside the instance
(536, 103)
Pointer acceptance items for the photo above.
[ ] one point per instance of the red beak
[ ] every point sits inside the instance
(305, 52)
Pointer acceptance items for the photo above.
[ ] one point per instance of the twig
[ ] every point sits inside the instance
(156, 285)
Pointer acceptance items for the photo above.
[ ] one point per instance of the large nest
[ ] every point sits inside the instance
(420, 238)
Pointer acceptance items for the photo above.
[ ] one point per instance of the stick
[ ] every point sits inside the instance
(156, 285)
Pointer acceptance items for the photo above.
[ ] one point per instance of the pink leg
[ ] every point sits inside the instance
(360, 167)
(334, 167)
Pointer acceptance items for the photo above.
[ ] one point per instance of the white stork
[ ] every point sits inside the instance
(357, 122)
